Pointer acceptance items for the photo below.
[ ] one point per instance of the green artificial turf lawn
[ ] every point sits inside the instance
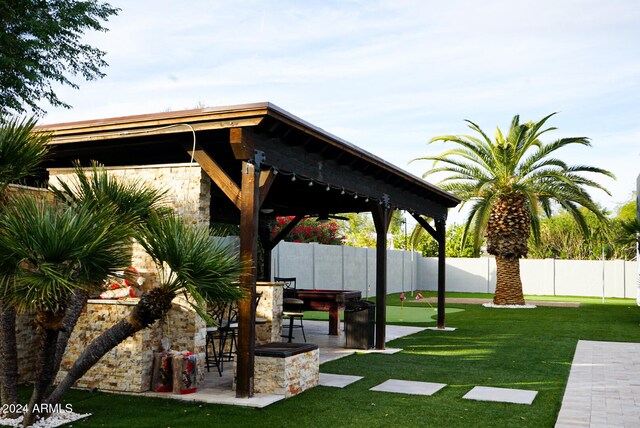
(510, 348)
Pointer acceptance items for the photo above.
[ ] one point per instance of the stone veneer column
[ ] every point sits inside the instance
(270, 308)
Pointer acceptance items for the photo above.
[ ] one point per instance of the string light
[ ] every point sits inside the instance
(327, 186)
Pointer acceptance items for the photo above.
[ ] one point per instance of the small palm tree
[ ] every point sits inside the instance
(133, 201)
(510, 182)
(21, 152)
(46, 254)
(190, 262)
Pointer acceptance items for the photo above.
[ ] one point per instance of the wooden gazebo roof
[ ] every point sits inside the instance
(265, 162)
(344, 178)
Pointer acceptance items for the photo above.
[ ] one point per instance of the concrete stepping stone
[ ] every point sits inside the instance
(409, 387)
(502, 395)
(337, 380)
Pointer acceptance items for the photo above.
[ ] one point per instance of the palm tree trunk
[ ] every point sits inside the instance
(44, 374)
(508, 283)
(8, 358)
(74, 310)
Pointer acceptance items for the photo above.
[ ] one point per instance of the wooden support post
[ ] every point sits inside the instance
(441, 238)
(439, 234)
(381, 218)
(248, 256)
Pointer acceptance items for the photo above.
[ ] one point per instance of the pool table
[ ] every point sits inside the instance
(332, 301)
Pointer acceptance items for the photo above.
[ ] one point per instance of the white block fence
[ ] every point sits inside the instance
(336, 267)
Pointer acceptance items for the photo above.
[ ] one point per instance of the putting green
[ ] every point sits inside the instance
(413, 314)
(396, 314)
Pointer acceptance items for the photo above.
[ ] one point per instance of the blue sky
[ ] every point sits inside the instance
(386, 75)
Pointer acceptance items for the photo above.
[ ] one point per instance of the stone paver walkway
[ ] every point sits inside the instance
(604, 386)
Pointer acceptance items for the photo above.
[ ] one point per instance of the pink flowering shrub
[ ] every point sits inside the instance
(310, 230)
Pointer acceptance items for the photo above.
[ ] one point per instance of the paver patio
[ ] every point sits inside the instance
(603, 389)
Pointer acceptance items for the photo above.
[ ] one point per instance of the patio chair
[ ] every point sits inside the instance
(289, 287)
(211, 358)
(225, 315)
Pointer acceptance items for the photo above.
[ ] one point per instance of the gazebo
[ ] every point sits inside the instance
(264, 162)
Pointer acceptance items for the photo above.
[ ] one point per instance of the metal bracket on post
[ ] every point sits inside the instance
(258, 159)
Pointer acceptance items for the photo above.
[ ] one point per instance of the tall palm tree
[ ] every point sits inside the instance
(509, 182)
(190, 262)
(21, 152)
(46, 254)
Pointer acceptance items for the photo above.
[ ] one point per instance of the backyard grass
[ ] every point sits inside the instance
(511, 348)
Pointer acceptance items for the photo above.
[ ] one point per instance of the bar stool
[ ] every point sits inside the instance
(292, 309)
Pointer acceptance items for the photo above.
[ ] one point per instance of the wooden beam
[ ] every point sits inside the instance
(216, 173)
(327, 170)
(241, 144)
(382, 219)
(248, 256)
(285, 231)
(267, 178)
(426, 226)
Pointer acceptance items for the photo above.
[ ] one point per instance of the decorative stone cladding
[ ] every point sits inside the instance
(270, 308)
(285, 374)
(128, 367)
(38, 192)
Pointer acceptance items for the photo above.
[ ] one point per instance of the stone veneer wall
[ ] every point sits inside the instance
(188, 194)
(128, 367)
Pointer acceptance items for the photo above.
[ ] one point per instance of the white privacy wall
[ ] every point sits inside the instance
(336, 267)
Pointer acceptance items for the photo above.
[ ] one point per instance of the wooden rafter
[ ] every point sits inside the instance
(216, 173)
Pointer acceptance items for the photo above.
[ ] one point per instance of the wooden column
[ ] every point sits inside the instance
(249, 206)
(381, 218)
(439, 234)
(441, 238)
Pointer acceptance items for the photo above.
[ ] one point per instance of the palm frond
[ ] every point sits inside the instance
(51, 251)
(21, 149)
(196, 261)
(133, 199)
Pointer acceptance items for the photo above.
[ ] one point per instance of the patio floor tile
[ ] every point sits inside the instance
(337, 380)
(409, 387)
(503, 395)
